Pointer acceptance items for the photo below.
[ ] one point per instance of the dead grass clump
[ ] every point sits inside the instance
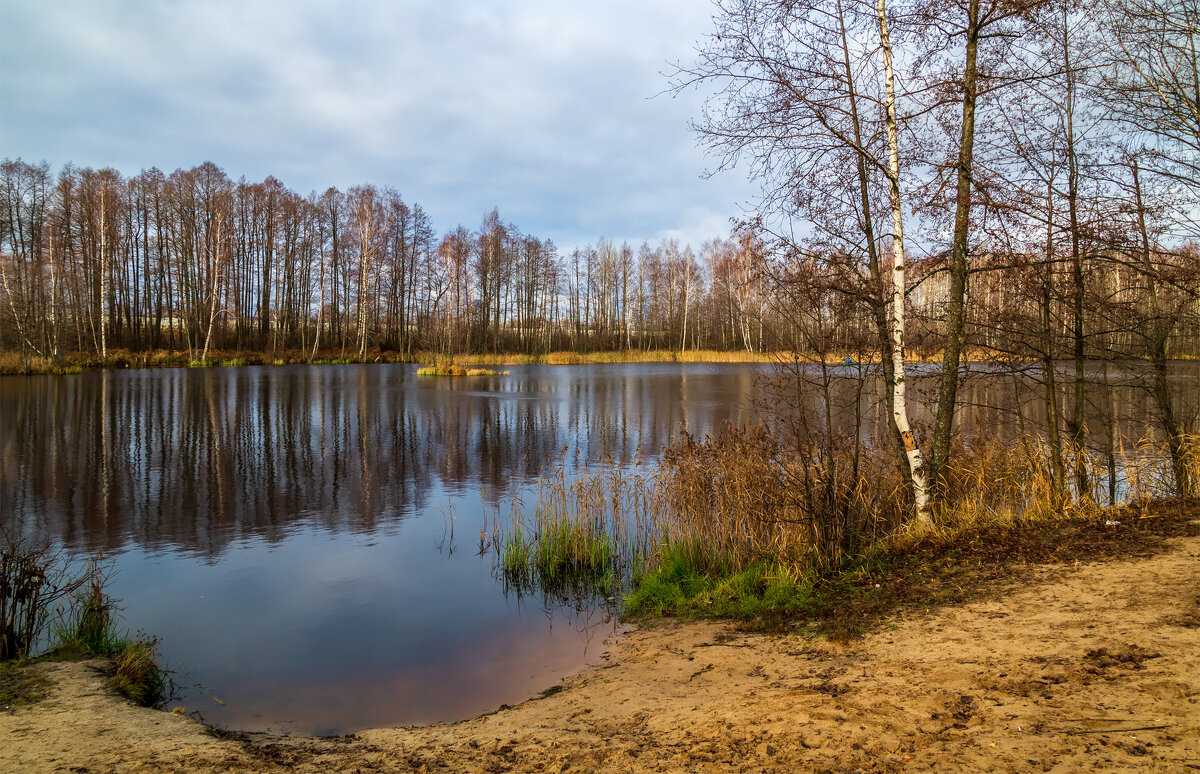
(728, 497)
(755, 493)
(453, 369)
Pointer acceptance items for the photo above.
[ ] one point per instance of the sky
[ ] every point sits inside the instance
(553, 111)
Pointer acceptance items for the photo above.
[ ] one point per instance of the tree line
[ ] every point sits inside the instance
(92, 260)
(1016, 180)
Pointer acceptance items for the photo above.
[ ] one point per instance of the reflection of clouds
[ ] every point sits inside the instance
(460, 678)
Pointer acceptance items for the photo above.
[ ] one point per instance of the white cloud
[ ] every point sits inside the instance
(541, 108)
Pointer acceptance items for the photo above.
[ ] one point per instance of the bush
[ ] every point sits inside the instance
(38, 584)
(33, 580)
(87, 627)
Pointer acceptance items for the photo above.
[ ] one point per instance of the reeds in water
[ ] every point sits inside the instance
(745, 522)
(585, 534)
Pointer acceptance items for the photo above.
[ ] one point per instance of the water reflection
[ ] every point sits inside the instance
(279, 528)
(191, 459)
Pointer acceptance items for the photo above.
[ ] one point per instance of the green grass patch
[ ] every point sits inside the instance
(920, 575)
(20, 685)
(564, 556)
(688, 582)
(88, 625)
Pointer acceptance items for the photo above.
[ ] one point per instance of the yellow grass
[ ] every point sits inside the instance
(451, 369)
(617, 356)
(74, 362)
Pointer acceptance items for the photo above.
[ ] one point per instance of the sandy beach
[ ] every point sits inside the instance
(1078, 667)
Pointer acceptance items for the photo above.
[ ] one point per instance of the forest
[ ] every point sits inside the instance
(94, 261)
(1035, 168)
(194, 260)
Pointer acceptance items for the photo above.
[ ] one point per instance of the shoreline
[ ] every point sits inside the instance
(1077, 665)
(12, 363)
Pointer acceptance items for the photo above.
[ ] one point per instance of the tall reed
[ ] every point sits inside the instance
(585, 532)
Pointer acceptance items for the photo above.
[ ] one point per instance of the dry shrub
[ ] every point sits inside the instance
(728, 495)
(753, 493)
(1147, 471)
(33, 579)
(988, 481)
(774, 495)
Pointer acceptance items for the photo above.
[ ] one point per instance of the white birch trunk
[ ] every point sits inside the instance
(320, 310)
(53, 302)
(215, 258)
(916, 462)
(103, 276)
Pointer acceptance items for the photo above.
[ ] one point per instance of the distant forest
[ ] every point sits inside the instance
(94, 261)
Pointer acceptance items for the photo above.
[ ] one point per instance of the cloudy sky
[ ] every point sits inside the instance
(545, 109)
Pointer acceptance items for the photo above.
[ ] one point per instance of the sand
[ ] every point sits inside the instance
(1092, 667)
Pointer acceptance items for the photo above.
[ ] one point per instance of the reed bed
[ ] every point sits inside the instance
(566, 357)
(744, 523)
(585, 534)
(74, 362)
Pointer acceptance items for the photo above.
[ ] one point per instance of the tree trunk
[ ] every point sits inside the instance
(959, 268)
(916, 463)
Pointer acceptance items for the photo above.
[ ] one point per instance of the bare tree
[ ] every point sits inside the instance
(792, 78)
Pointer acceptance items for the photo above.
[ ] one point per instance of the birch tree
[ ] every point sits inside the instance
(916, 463)
(801, 90)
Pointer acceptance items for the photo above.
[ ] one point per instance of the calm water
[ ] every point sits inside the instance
(285, 531)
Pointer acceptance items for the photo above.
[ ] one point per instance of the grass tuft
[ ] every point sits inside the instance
(678, 585)
(137, 675)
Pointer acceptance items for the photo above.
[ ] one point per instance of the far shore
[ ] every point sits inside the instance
(16, 363)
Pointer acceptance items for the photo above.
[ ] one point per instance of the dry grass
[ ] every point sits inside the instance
(614, 356)
(74, 362)
(137, 675)
(742, 518)
(453, 369)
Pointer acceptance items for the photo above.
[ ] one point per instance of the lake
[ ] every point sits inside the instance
(303, 541)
